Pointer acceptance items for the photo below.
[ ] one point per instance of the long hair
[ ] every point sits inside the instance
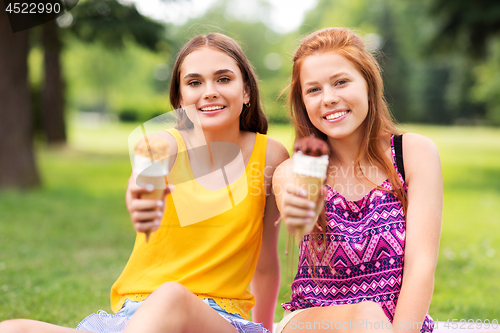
(379, 120)
(252, 118)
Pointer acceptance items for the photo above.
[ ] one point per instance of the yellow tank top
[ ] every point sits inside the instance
(214, 257)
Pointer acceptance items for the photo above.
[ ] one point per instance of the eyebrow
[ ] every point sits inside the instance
(223, 71)
(218, 72)
(332, 77)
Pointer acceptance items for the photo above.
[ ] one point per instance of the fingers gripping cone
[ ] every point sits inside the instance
(151, 167)
(310, 165)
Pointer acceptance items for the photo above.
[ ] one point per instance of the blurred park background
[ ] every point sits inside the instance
(72, 90)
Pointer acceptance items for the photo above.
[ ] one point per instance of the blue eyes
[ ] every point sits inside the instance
(338, 83)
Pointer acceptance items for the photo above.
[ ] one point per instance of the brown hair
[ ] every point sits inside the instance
(378, 121)
(252, 118)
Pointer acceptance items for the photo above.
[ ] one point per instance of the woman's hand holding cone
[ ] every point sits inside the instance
(146, 214)
(298, 213)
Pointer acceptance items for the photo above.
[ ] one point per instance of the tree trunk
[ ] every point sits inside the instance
(17, 162)
(53, 88)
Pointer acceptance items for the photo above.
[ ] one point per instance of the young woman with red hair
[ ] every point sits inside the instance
(369, 263)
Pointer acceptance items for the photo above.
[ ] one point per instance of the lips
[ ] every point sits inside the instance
(212, 108)
(335, 115)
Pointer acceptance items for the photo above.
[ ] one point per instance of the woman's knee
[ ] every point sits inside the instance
(173, 296)
(175, 300)
(14, 326)
(173, 291)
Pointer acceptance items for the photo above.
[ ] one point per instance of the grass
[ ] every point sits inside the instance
(62, 246)
(467, 276)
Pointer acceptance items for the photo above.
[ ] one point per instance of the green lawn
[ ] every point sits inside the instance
(62, 246)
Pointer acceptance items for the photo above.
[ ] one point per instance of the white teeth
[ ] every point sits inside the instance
(335, 115)
(212, 108)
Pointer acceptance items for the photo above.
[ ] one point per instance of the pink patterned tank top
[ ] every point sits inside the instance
(365, 246)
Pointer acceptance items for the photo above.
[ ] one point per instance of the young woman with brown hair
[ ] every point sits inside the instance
(193, 275)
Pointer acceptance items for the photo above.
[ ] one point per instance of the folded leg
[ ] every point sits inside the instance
(364, 317)
(173, 308)
(33, 326)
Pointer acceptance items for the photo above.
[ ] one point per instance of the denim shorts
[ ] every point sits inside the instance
(102, 322)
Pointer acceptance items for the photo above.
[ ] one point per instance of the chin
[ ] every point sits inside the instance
(214, 124)
(338, 134)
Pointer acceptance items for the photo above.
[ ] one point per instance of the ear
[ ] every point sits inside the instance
(246, 94)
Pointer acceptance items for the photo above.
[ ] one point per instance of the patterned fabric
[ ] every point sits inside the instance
(103, 322)
(365, 246)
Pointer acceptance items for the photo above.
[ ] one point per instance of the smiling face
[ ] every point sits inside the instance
(212, 82)
(335, 95)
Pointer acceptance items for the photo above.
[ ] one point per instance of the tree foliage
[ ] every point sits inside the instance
(110, 22)
(471, 30)
(465, 25)
(423, 83)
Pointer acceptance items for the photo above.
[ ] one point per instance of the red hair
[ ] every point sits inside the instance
(379, 120)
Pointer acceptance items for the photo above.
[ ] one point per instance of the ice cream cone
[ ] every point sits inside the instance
(156, 194)
(310, 164)
(151, 168)
(313, 187)
(311, 184)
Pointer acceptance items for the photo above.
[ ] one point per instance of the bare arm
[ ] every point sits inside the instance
(146, 214)
(423, 228)
(266, 280)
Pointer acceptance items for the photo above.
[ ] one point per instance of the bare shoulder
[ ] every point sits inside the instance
(276, 153)
(420, 154)
(286, 164)
(416, 144)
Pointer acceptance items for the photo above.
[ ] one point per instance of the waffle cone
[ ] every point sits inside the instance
(154, 149)
(313, 187)
(154, 195)
(311, 184)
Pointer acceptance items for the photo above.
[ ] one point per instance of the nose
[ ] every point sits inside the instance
(330, 96)
(210, 92)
